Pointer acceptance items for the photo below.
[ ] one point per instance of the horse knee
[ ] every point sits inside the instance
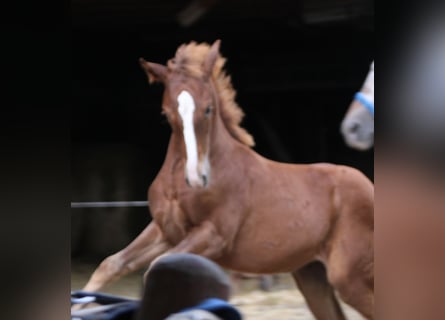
(112, 266)
(104, 273)
(108, 262)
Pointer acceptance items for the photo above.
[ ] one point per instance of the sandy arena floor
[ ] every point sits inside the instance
(282, 302)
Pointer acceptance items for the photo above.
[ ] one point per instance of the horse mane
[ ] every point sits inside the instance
(189, 60)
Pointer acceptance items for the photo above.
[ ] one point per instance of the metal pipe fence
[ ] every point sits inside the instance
(109, 204)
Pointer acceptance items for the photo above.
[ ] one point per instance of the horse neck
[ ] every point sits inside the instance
(175, 149)
(222, 143)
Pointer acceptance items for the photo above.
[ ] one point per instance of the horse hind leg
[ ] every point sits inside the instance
(353, 280)
(350, 260)
(319, 294)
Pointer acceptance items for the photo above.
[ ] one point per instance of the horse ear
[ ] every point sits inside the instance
(211, 58)
(155, 72)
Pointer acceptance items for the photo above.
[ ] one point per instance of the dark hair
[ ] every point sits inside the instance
(179, 281)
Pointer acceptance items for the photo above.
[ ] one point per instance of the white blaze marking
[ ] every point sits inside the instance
(368, 86)
(186, 109)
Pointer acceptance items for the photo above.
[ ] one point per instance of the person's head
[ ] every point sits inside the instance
(177, 282)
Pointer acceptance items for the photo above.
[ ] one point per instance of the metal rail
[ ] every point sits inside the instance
(109, 204)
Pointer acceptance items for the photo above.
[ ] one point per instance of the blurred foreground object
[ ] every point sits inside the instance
(185, 282)
(409, 177)
(178, 287)
(417, 101)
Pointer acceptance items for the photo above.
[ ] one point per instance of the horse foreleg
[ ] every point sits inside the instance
(203, 240)
(138, 254)
(319, 294)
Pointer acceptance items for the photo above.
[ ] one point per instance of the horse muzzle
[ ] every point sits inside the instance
(201, 182)
(356, 136)
(198, 176)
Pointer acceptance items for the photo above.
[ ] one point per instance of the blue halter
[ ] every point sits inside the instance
(360, 97)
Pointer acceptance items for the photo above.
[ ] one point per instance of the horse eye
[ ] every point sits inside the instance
(208, 111)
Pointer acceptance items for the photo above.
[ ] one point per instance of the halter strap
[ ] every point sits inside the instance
(369, 105)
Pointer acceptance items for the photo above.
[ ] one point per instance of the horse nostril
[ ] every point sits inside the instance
(204, 179)
(187, 181)
(355, 126)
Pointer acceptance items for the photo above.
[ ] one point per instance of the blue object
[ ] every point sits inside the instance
(218, 307)
(360, 97)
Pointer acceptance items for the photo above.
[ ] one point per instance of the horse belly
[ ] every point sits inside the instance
(270, 243)
(269, 255)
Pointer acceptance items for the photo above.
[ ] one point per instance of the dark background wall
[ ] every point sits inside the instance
(295, 66)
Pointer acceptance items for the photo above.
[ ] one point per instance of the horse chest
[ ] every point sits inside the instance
(176, 218)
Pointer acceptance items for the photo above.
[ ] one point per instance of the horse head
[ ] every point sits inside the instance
(190, 104)
(357, 126)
